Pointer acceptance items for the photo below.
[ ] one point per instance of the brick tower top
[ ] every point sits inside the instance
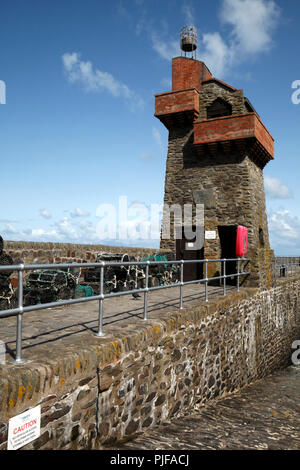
(188, 73)
(218, 112)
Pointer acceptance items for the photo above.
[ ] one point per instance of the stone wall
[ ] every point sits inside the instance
(42, 252)
(98, 395)
(212, 91)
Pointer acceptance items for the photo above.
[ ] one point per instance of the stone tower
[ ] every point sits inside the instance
(218, 147)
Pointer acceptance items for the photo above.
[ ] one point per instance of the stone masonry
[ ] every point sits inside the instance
(43, 252)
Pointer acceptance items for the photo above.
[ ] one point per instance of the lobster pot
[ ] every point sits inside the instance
(119, 271)
(5, 259)
(83, 291)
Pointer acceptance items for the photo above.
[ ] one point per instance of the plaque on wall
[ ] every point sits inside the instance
(210, 235)
(206, 197)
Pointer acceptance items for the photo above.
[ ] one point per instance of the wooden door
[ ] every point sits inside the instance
(185, 251)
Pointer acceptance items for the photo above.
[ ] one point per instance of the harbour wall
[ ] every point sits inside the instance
(98, 394)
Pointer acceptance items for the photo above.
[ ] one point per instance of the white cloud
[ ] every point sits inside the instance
(138, 223)
(284, 225)
(216, 54)
(95, 80)
(166, 82)
(7, 221)
(122, 11)
(65, 229)
(157, 137)
(188, 13)
(36, 234)
(41, 233)
(82, 231)
(45, 213)
(284, 231)
(166, 49)
(69, 61)
(147, 156)
(79, 213)
(141, 24)
(275, 189)
(252, 23)
(10, 229)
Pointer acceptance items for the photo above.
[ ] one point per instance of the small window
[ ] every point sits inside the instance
(219, 108)
(261, 237)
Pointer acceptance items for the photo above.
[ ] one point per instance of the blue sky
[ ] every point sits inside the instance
(78, 130)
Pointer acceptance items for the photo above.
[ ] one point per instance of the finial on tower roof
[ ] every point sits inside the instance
(188, 40)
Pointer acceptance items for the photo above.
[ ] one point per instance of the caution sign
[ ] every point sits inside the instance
(24, 428)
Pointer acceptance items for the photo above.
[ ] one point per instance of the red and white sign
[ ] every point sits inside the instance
(24, 428)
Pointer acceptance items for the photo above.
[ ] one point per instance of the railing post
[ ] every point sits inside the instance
(181, 285)
(224, 274)
(19, 359)
(238, 275)
(206, 282)
(100, 321)
(146, 292)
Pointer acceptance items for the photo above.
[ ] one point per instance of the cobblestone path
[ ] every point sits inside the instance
(264, 415)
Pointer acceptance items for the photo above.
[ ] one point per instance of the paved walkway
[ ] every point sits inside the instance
(264, 415)
(45, 330)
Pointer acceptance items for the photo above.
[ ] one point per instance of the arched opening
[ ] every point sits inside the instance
(219, 108)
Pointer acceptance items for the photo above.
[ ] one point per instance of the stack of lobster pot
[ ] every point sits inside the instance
(116, 278)
(6, 291)
(45, 285)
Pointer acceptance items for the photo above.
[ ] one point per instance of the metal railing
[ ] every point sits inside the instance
(21, 309)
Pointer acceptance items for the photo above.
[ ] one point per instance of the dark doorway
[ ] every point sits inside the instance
(184, 250)
(219, 108)
(227, 236)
